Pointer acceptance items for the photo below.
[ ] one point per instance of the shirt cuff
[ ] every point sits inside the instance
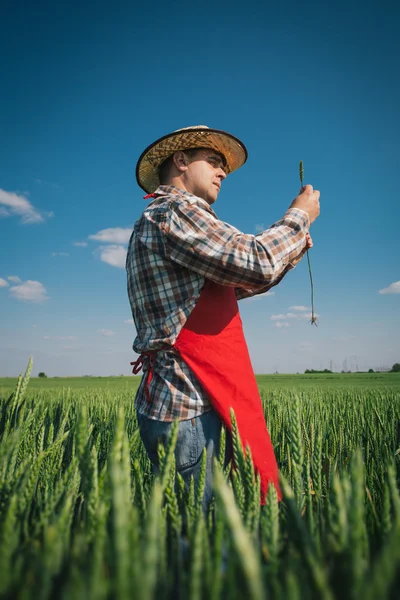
(295, 217)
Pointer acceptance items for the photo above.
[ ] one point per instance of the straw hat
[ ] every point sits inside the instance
(198, 136)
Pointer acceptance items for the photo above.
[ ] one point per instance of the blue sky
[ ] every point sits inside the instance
(87, 86)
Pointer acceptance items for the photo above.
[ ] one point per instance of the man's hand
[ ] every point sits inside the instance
(308, 200)
(308, 244)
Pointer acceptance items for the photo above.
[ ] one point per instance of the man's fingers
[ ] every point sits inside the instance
(307, 187)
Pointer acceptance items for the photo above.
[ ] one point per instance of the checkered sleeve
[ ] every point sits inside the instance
(196, 239)
(242, 293)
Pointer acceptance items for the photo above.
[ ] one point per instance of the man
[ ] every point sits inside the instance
(186, 270)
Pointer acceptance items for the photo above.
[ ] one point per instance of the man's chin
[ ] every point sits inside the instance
(213, 197)
(210, 197)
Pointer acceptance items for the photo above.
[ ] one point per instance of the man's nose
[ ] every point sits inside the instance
(221, 174)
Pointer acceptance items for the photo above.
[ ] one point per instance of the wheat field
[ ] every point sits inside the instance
(82, 515)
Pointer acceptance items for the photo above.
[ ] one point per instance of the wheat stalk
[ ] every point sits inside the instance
(313, 317)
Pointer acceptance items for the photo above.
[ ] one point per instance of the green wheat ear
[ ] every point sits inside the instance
(301, 172)
(313, 317)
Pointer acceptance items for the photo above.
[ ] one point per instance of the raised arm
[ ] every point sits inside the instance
(196, 239)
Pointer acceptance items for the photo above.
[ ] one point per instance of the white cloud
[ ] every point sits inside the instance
(80, 244)
(106, 332)
(60, 254)
(113, 235)
(29, 291)
(264, 294)
(282, 324)
(113, 255)
(12, 204)
(394, 288)
(14, 279)
(129, 321)
(299, 308)
(289, 315)
(3, 282)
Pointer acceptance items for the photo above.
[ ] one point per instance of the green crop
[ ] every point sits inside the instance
(82, 514)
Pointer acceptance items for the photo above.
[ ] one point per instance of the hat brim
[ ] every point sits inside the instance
(150, 160)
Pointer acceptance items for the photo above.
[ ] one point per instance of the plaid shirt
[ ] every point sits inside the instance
(177, 243)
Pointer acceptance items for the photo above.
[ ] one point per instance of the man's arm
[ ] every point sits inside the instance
(242, 293)
(194, 238)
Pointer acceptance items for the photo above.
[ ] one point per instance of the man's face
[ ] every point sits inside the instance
(205, 173)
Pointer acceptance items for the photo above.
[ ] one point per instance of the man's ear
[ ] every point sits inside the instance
(180, 160)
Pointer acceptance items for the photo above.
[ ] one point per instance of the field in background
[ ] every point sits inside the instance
(83, 516)
(334, 380)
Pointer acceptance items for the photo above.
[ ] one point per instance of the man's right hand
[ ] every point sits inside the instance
(308, 200)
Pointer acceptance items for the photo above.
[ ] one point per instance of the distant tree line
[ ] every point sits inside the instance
(394, 369)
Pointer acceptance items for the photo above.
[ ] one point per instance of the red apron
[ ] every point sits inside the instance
(213, 346)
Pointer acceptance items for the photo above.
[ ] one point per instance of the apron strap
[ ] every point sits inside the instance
(138, 364)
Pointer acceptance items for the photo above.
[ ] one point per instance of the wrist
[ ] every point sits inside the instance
(297, 216)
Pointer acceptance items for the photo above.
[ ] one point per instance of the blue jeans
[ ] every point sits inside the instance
(193, 436)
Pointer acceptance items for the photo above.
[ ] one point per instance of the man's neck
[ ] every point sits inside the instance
(178, 183)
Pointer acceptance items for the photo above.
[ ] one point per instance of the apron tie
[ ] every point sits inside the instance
(138, 364)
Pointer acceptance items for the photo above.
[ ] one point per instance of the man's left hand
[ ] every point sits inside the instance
(308, 245)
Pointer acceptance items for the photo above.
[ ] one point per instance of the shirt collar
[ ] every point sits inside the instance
(168, 190)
